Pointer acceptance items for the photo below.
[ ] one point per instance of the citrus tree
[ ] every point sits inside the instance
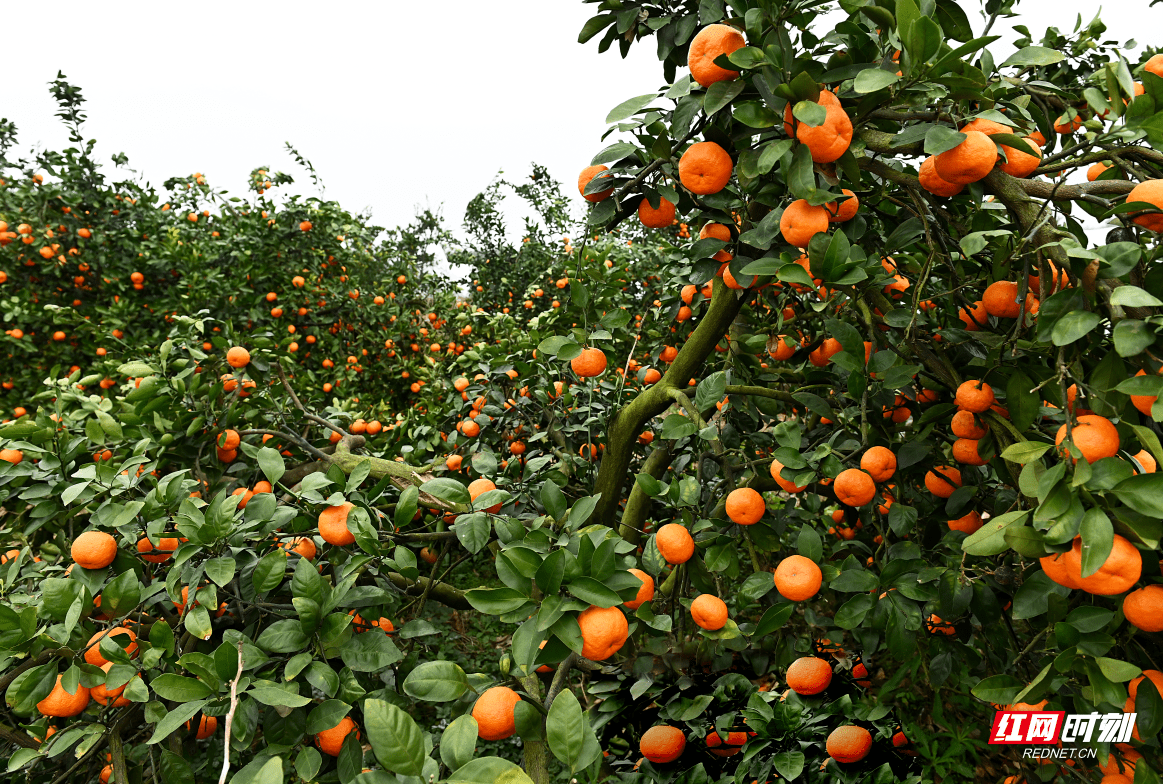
(806, 497)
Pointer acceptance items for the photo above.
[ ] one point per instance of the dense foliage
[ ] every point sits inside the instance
(353, 526)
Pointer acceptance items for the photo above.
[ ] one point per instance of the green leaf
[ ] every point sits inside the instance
(1117, 671)
(221, 570)
(872, 79)
(278, 696)
(495, 601)
(801, 177)
(1072, 326)
(489, 770)
(1000, 689)
(473, 531)
(395, 738)
(940, 138)
(179, 688)
(271, 464)
(458, 742)
(593, 592)
(447, 490)
(1097, 540)
(261, 770)
(436, 681)
(629, 108)
(326, 715)
(810, 113)
(1024, 452)
(990, 538)
(774, 618)
(565, 729)
(1034, 55)
(370, 652)
(269, 571)
(720, 94)
(790, 764)
(1135, 297)
(174, 719)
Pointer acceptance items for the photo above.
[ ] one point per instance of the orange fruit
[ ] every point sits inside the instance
(1145, 459)
(801, 221)
(494, 712)
(1021, 164)
(932, 182)
(1121, 570)
(94, 550)
(1066, 124)
(798, 578)
(839, 212)
(103, 695)
(849, 743)
(965, 425)
(14, 456)
(1155, 677)
(809, 675)
(333, 524)
(587, 174)
(645, 593)
(1001, 299)
(479, 487)
(1144, 608)
(303, 545)
(331, 741)
(719, 232)
(237, 357)
(969, 161)
(604, 631)
(589, 363)
(725, 748)
(787, 485)
(974, 396)
(674, 543)
(941, 481)
(879, 462)
(709, 612)
(1095, 436)
(974, 319)
(93, 654)
(854, 487)
(1150, 192)
(62, 704)
(662, 744)
(745, 506)
(655, 218)
(829, 140)
(968, 523)
(705, 168)
(965, 452)
(710, 43)
(1057, 569)
(161, 553)
(1143, 402)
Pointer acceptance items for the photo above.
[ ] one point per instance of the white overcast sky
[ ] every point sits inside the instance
(395, 110)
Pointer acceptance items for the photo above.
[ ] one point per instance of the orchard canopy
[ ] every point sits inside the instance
(829, 428)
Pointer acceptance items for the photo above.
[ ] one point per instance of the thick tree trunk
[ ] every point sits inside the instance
(627, 424)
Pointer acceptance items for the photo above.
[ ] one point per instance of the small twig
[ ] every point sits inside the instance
(230, 718)
(560, 678)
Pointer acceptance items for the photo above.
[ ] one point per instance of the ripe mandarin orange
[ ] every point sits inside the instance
(809, 675)
(849, 743)
(801, 221)
(662, 744)
(333, 524)
(604, 631)
(645, 593)
(705, 168)
(710, 43)
(674, 543)
(709, 612)
(494, 712)
(745, 506)
(798, 578)
(94, 550)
